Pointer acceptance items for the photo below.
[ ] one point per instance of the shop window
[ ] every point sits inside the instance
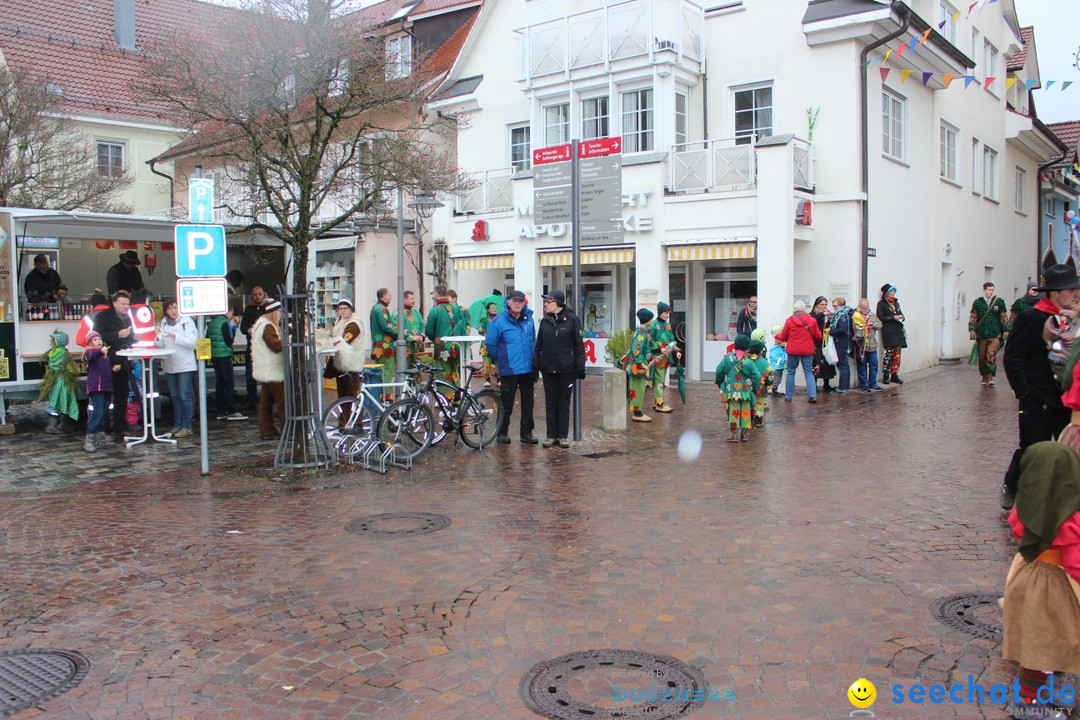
(724, 298)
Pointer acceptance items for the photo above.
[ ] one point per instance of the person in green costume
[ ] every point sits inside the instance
(638, 364)
(444, 320)
(761, 362)
(413, 327)
(384, 332)
(58, 387)
(738, 378)
(491, 369)
(661, 346)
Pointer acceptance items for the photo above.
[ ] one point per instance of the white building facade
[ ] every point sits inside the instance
(728, 189)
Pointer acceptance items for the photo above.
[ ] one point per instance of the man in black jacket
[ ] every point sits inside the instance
(116, 331)
(125, 274)
(254, 310)
(560, 356)
(1042, 415)
(43, 284)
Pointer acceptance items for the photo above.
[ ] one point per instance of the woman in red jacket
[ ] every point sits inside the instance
(800, 333)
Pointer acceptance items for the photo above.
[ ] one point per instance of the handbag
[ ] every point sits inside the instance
(828, 351)
(973, 358)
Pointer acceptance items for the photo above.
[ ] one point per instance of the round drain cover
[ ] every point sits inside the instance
(977, 613)
(612, 684)
(29, 677)
(398, 524)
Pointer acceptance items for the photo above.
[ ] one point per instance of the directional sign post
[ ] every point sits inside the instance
(201, 200)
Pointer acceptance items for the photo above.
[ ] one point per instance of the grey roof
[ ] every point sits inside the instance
(464, 86)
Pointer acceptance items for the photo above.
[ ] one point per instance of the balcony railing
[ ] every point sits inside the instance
(803, 175)
(492, 192)
(711, 164)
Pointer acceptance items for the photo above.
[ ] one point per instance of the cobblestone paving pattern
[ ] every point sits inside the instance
(786, 567)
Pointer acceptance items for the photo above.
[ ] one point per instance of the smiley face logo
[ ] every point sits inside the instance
(862, 693)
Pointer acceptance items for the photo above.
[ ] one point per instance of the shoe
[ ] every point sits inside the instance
(529, 440)
(182, 433)
(787, 399)
(268, 437)
(840, 392)
(734, 436)
(236, 416)
(991, 383)
(813, 399)
(562, 444)
(52, 426)
(550, 443)
(89, 446)
(503, 439)
(866, 390)
(885, 374)
(223, 417)
(487, 383)
(640, 417)
(896, 379)
(744, 434)
(877, 388)
(1007, 498)
(827, 388)
(665, 408)
(103, 438)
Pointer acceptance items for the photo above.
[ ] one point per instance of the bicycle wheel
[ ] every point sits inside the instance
(479, 418)
(347, 416)
(407, 423)
(438, 429)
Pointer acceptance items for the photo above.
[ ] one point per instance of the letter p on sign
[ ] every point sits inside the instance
(200, 251)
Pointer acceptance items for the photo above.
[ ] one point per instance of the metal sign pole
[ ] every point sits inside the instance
(204, 451)
(575, 234)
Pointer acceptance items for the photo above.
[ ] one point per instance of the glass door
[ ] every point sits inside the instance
(725, 296)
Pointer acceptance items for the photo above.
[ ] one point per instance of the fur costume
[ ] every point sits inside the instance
(266, 365)
(350, 356)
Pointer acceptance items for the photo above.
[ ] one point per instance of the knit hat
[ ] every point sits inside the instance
(272, 306)
(91, 335)
(662, 307)
(757, 347)
(758, 334)
(345, 301)
(886, 288)
(800, 305)
(742, 342)
(777, 329)
(644, 315)
(1032, 285)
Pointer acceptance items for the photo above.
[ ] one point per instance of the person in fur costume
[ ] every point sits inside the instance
(346, 365)
(58, 387)
(268, 368)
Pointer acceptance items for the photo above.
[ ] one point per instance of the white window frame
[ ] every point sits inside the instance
(756, 132)
(950, 30)
(1021, 181)
(1048, 205)
(523, 163)
(682, 118)
(976, 166)
(990, 173)
(991, 56)
(893, 126)
(556, 124)
(974, 43)
(398, 56)
(595, 120)
(339, 83)
(949, 150)
(639, 120)
(112, 172)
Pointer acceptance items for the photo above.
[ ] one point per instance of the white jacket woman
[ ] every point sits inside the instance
(179, 334)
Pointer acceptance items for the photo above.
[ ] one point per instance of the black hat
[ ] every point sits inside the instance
(271, 306)
(1059, 277)
(516, 295)
(130, 257)
(558, 296)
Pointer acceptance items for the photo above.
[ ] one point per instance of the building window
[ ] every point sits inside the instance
(637, 121)
(520, 148)
(892, 126)
(339, 80)
(1021, 175)
(682, 119)
(948, 137)
(398, 56)
(110, 159)
(949, 29)
(990, 62)
(556, 124)
(594, 118)
(753, 114)
(1048, 206)
(990, 173)
(976, 175)
(974, 55)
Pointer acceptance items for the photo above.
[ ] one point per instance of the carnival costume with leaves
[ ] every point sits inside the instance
(661, 337)
(761, 362)
(384, 332)
(445, 320)
(491, 370)
(738, 379)
(61, 378)
(638, 369)
(414, 325)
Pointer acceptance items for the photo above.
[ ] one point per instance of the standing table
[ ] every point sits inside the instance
(148, 355)
(463, 343)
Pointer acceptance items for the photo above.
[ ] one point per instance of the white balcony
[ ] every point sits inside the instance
(723, 164)
(493, 191)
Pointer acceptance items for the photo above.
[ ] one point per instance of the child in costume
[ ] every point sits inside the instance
(60, 382)
(778, 360)
(1041, 607)
(757, 355)
(98, 389)
(638, 365)
(661, 346)
(738, 379)
(491, 370)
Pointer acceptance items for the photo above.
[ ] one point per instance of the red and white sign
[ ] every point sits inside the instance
(553, 154)
(599, 147)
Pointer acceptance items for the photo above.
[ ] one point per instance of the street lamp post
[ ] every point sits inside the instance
(425, 206)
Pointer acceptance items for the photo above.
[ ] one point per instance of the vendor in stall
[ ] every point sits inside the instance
(125, 274)
(43, 284)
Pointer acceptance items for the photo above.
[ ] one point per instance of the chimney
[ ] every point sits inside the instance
(124, 23)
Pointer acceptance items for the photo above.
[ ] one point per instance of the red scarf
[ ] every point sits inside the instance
(1047, 306)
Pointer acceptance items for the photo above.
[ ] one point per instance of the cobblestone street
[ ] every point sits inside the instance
(784, 568)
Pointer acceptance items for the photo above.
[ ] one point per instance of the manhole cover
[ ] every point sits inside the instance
(977, 614)
(28, 677)
(612, 684)
(397, 524)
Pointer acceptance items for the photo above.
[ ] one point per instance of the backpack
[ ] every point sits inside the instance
(841, 325)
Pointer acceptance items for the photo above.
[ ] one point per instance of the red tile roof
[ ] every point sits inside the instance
(1017, 59)
(71, 43)
(379, 13)
(1068, 133)
(443, 58)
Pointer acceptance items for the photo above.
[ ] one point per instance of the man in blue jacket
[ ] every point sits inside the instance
(510, 339)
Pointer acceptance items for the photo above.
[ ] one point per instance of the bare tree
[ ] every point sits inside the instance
(308, 118)
(45, 161)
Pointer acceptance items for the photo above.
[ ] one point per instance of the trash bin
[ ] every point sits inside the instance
(372, 373)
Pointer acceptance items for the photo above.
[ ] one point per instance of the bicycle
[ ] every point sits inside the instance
(476, 418)
(351, 419)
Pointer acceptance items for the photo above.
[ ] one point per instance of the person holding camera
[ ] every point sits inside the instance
(560, 357)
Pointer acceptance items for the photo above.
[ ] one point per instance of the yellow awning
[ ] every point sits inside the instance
(588, 257)
(719, 251)
(483, 262)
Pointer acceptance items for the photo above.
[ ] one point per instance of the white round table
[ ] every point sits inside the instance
(148, 355)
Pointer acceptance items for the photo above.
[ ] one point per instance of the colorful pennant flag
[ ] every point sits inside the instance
(968, 79)
(900, 49)
(989, 82)
(972, 7)
(915, 42)
(1066, 84)
(904, 75)
(924, 36)
(926, 77)
(941, 25)
(887, 54)
(885, 73)
(955, 15)
(947, 78)
(1009, 82)
(1049, 83)
(1028, 84)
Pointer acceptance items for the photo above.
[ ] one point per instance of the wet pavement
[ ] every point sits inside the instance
(783, 569)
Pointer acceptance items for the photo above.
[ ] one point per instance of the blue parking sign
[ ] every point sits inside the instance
(200, 251)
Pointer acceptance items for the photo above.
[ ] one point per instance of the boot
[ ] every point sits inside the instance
(884, 377)
(89, 446)
(102, 438)
(52, 427)
(734, 435)
(896, 379)
(62, 425)
(744, 434)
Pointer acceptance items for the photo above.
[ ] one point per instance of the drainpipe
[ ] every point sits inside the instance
(167, 177)
(905, 14)
(1038, 209)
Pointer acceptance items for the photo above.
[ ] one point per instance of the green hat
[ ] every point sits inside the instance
(776, 329)
(60, 338)
(644, 315)
(662, 307)
(758, 334)
(757, 347)
(742, 342)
